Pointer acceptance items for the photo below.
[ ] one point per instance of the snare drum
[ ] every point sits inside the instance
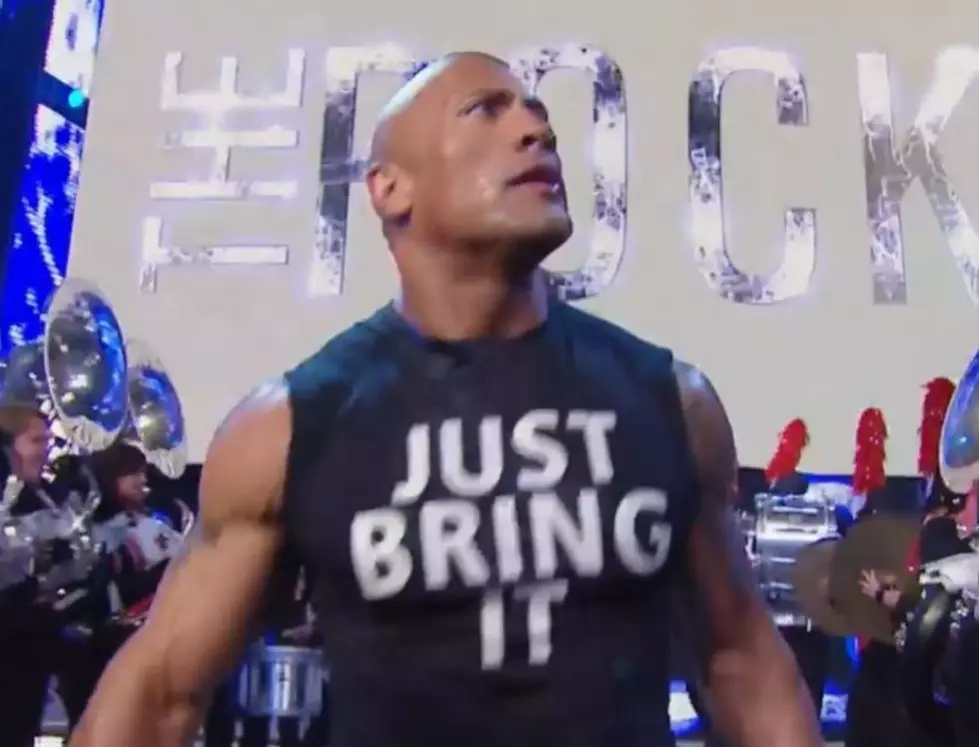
(282, 682)
(781, 526)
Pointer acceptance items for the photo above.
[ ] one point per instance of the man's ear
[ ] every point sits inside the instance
(390, 192)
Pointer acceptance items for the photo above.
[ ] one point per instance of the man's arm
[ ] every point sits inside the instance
(758, 698)
(156, 689)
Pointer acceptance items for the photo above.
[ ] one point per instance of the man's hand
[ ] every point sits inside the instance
(758, 696)
(154, 692)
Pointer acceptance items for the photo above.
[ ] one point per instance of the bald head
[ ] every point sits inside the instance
(394, 125)
(449, 154)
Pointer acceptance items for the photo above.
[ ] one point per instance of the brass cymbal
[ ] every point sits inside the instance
(810, 582)
(881, 544)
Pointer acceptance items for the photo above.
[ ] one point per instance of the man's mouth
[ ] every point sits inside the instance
(544, 177)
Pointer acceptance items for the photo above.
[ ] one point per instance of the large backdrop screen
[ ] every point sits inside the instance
(780, 191)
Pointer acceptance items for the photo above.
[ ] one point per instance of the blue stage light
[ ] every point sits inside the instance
(76, 99)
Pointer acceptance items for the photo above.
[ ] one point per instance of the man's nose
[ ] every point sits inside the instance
(533, 130)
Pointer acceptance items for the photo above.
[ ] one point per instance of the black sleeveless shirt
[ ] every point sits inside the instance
(492, 528)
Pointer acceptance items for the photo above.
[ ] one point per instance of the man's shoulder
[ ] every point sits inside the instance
(599, 335)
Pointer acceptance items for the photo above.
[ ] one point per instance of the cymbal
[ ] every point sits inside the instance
(810, 583)
(880, 544)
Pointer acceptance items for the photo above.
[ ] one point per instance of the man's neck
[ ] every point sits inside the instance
(475, 307)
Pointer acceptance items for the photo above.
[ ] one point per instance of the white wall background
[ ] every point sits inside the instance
(823, 355)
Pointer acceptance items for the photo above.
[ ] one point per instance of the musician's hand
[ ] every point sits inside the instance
(869, 583)
(880, 588)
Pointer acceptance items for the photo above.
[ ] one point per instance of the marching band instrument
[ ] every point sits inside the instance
(881, 544)
(930, 641)
(957, 573)
(810, 582)
(781, 527)
(154, 424)
(932, 635)
(85, 366)
(959, 452)
(282, 682)
(16, 549)
(77, 370)
(74, 530)
(933, 639)
(187, 518)
(155, 419)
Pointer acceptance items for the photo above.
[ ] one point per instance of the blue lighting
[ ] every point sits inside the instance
(76, 99)
(38, 256)
(686, 722)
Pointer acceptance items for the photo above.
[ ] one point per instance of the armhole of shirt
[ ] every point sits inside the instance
(319, 391)
(688, 488)
(315, 402)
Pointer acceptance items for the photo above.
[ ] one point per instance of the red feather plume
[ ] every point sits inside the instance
(938, 396)
(792, 441)
(868, 462)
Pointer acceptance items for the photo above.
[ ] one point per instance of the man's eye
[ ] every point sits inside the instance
(485, 108)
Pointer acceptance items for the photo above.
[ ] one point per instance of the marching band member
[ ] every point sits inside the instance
(138, 547)
(875, 715)
(874, 712)
(28, 632)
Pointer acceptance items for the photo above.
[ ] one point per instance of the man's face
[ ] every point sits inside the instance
(492, 174)
(31, 449)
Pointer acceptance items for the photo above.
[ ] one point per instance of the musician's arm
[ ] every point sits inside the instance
(155, 691)
(758, 697)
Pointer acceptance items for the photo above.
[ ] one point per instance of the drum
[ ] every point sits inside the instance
(781, 526)
(282, 682)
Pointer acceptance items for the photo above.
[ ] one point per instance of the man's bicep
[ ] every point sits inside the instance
(717, 594)
(758, 697)
(718, 590)
(205, 611)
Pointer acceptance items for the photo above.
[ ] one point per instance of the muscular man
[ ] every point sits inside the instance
(497, 494)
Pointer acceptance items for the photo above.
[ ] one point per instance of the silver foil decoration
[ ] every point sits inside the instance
(793, 276)
(609, 156)
(891, 169)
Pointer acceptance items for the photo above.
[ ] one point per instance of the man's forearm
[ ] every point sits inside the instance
(760, 699)
(129, 709)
